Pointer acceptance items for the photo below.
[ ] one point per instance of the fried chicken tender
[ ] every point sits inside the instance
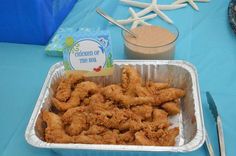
(142, 91)
(81, 90)
(142, 139)
(157, 138)
(88, 139)
(172, 108)
(125, 138)
(160, 118)
(130, 78)
(75, 121)
(55, 131)
(114, 92)
(155, 125)
(108, 118)
(169, 94)
(169, 138)
(154, 87)
(143, 111)
(128, 102)
(110, 137)
(95, 129)
(64, 89)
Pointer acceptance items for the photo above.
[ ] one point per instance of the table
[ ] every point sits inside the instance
(206, 41)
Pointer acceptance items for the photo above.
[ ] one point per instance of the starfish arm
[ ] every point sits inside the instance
(171, 7)
(179, 1)
(127, 21)
(163, 16)
(148, 16)
(154, 2)
(144, 23)
(193, 5)
(134, 25)
(202, 0)
(145, 11)
(133, 14)
(135, 4)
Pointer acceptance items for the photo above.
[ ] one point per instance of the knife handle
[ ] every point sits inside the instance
(221, 136)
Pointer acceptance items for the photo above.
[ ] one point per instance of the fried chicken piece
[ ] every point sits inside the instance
(108, 118)
(63, 91)
(94, 129)
(96, 98)
(169, 138)
(171, 108)
(144, 111)
(155, 87)
(55, 133)
(101, 108)
(81, 90)
(88, 139)
(169, 94)
(75, 121)
(131, 125)
(130, 78)
(110, 137)
(125, 138)
(142, 91)
(160, 120)
(114, 92)
(141, 139)
(154, 135)
(128, 101)
(85, 88)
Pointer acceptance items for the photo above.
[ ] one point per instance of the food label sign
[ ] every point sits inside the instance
(89, 53)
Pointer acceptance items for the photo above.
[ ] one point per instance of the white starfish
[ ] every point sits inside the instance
(191, 2)
(136, 19)
(161, 7)
(154, 7)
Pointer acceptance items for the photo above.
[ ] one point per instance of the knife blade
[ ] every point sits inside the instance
(218, 121)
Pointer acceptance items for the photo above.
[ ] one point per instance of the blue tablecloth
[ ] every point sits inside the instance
(206, 41)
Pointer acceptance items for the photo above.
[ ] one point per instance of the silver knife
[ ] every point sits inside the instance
(218, 121)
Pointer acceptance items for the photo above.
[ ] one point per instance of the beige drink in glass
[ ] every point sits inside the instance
(152, 42)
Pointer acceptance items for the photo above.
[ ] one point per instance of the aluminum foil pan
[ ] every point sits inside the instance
(178, 73)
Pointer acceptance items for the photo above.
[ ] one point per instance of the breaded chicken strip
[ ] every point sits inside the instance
(88, 139)
(75, 120)
(125, 138)
(169, 138)
(160, 121)
(143, 111)
(95, 129)
(55, 131)
(130, 79)
(114, 92)
(142, 139)
(81, 90)
(155, 87)
(172, 108)
(169, 94)
(160, 118)
(64, 89)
